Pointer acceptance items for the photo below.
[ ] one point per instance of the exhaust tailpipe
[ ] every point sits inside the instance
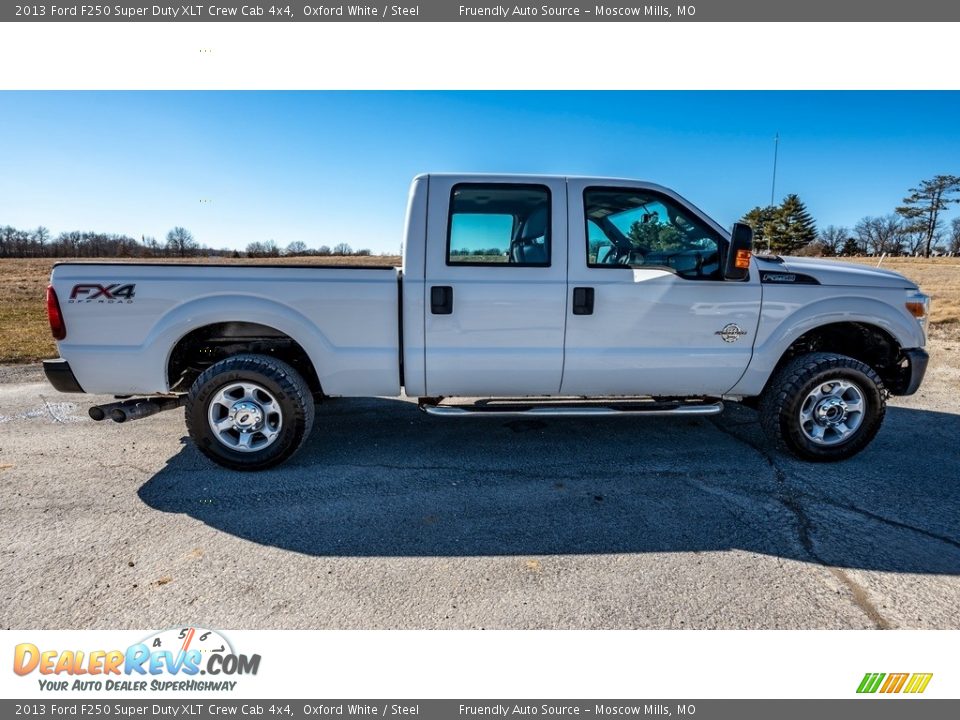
(100, 412)
(145, 407)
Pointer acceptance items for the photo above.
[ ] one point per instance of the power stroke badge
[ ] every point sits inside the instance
(731, 332)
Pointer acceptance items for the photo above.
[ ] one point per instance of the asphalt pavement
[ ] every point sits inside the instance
(392, 519)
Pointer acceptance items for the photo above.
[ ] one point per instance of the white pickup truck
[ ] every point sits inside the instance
(546, 295)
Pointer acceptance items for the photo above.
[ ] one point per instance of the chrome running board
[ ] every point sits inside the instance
(535, 410)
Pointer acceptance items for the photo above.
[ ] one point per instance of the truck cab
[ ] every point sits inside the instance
(570, 286)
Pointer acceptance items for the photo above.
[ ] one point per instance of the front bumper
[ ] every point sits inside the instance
(60, 375)
(911, 375)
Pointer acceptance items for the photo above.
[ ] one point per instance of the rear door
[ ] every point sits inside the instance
(495, 292)
(661, 319)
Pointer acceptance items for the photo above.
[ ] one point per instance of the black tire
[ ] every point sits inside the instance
(291, 404)
(787, 391)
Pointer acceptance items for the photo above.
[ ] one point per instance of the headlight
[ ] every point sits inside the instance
(918, 305)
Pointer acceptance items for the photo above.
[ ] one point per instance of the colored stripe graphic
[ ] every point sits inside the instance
(918, 683)
(894, 682)
(870, 682)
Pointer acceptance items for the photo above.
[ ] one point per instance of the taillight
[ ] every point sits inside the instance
(57, 326)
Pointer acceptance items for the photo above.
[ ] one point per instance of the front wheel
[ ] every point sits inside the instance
(249, 412)
(823, 407)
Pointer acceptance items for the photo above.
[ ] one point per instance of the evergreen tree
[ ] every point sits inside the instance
(655, 235)
(850, 247)
(783, 228)
(797, 228)
(762, 220)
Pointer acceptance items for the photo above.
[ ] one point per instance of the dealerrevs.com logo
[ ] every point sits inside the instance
(173, 659)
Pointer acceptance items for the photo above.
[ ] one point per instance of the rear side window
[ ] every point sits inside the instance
(494, 224)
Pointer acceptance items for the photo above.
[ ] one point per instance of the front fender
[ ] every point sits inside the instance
(783, 321)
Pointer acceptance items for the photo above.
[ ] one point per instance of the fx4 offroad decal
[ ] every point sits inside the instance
(91, 292)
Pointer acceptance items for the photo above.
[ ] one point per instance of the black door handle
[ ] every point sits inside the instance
(583, 301)
(441, 300)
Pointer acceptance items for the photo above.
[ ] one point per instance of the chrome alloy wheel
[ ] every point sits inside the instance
(245, 417)
(832, 412)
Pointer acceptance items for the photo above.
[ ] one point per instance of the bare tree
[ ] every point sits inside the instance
(342, 249)
(270, 249)
(880, 235)
(913, 241)
(68, 244)
(922, 208)
(832, 238)
(6, 240)
(151, 247)
(954, 245)
(296, 248)
(180, 242)
(263, 249)
(75, 243)
(41, 236)
(324, 250)
(20, 240)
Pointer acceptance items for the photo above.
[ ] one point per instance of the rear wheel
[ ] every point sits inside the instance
(249, 412)
(823, 407)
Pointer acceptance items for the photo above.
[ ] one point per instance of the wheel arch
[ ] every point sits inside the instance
(206, 345)
(863, 319)
(863, 341)
(344, 369)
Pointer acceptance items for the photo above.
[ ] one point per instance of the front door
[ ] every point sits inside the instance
(661, 319)
(495, 291)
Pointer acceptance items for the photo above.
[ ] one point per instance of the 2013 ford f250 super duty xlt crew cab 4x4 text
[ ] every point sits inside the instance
(548, 295)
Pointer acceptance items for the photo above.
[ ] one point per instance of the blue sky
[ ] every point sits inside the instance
(330, 167)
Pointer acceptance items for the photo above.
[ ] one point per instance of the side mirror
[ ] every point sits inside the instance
(738, 254)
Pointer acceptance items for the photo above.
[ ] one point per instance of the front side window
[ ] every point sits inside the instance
(492, 224)
(639, 228)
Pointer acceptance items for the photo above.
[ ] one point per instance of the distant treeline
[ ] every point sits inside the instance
(179, 243)
(917, 227)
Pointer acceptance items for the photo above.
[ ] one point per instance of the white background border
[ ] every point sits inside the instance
(536, 664)
(545, 664)
(557, 55)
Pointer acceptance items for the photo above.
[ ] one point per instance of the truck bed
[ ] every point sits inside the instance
(124, 320)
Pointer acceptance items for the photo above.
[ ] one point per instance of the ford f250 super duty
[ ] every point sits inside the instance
(546, 295)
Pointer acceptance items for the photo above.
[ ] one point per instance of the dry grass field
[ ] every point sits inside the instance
(939, 278)
(25, 335)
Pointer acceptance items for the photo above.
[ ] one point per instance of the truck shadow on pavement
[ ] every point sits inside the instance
(378, 478)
